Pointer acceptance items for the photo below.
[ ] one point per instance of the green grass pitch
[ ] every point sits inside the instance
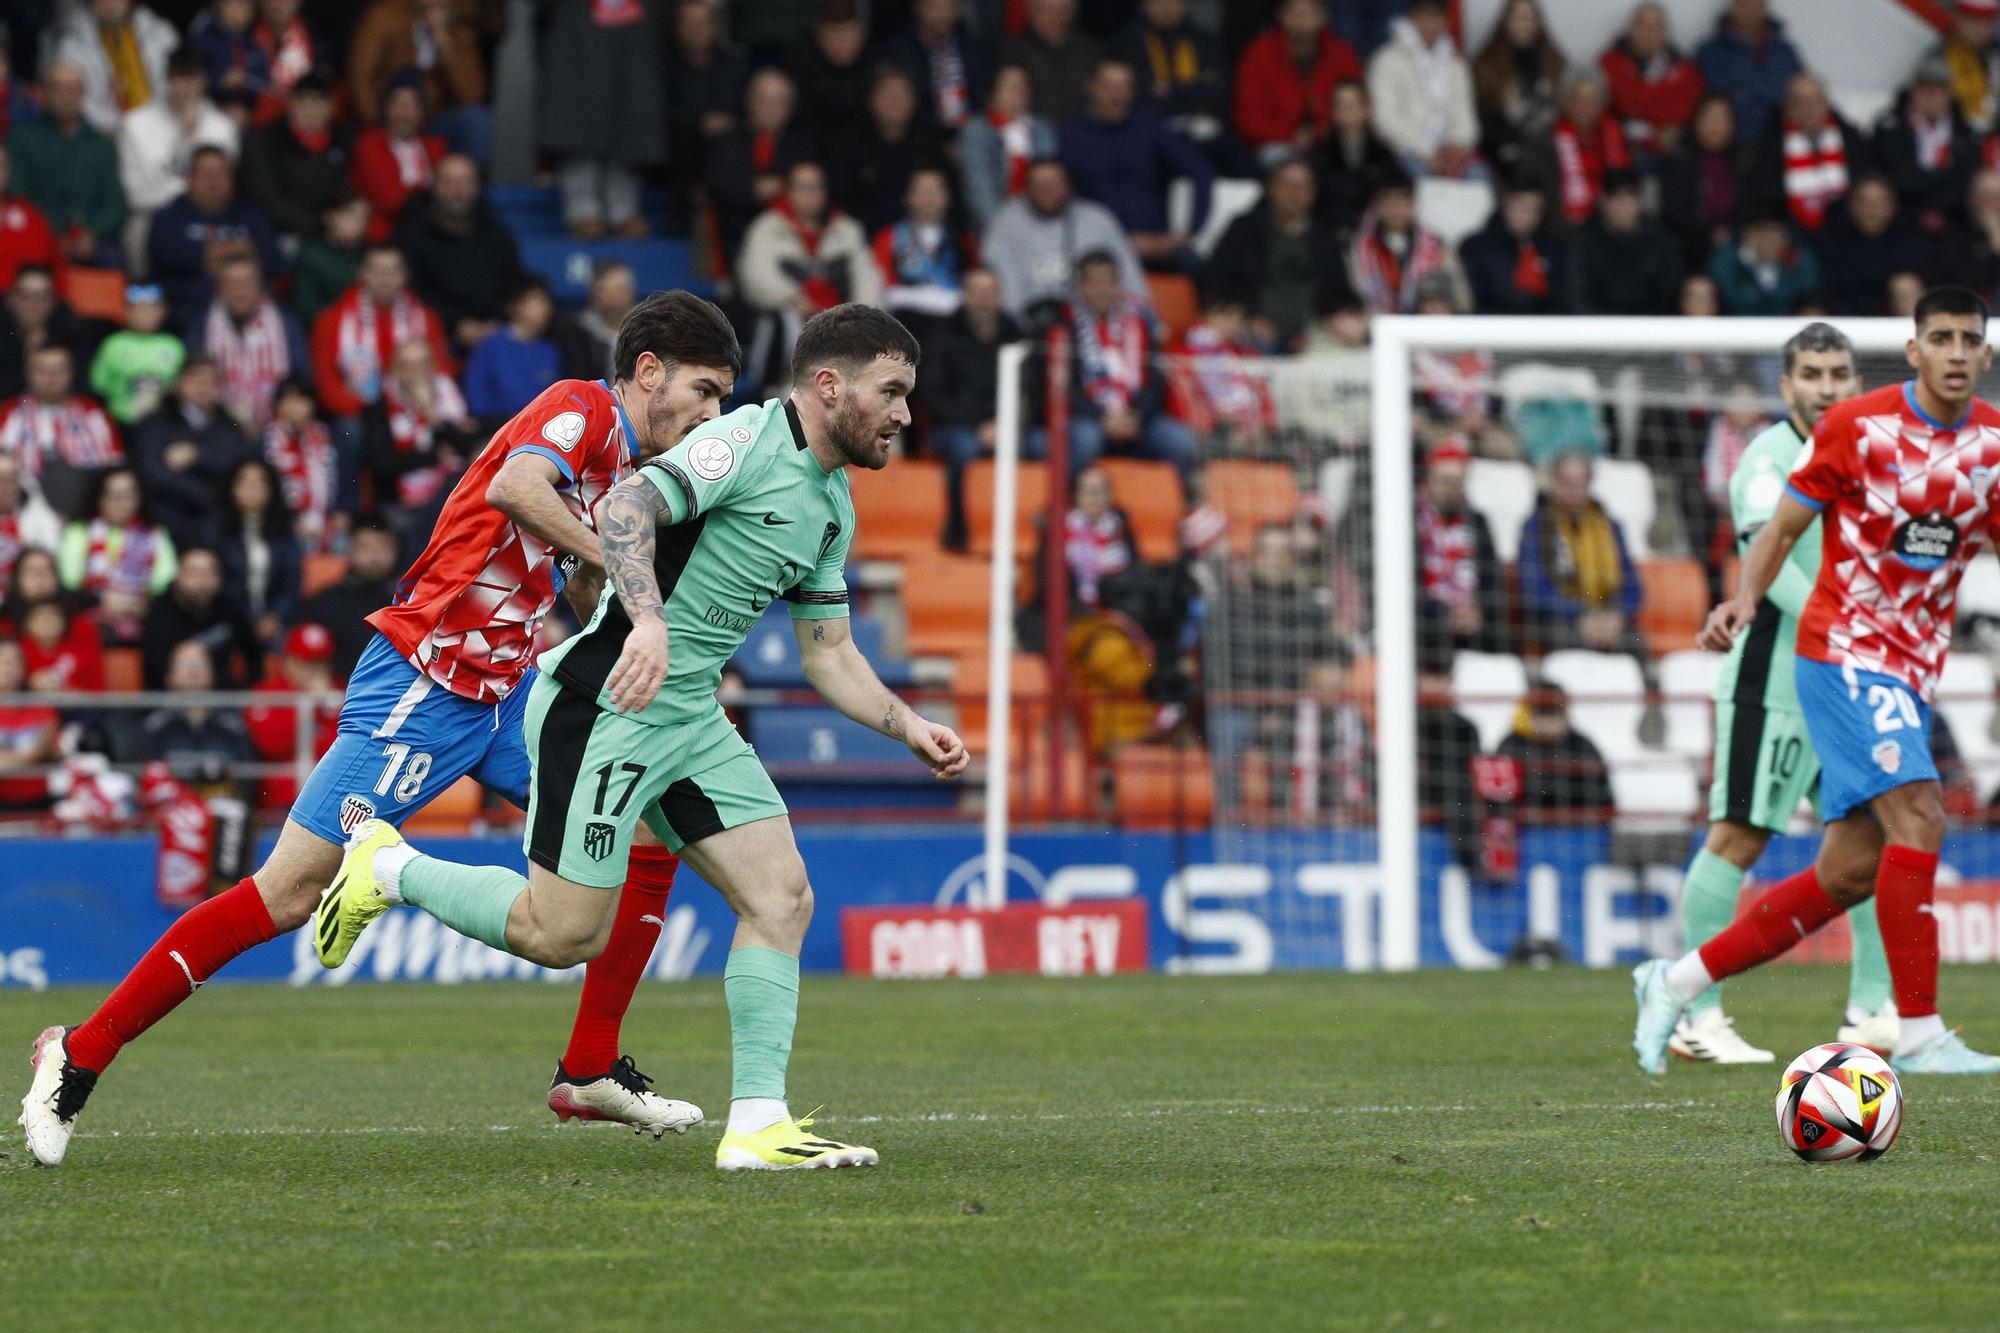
(1312, 1151)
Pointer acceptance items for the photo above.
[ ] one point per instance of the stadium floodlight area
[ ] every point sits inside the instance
(1323, 760)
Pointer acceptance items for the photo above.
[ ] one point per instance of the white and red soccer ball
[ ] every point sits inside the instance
(1839, 1103)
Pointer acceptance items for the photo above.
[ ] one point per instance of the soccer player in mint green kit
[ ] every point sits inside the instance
(623, 724)
(1764, 760)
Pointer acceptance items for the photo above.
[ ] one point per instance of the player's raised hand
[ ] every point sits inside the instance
(938, 746)
(641, 667)
(1725, 622)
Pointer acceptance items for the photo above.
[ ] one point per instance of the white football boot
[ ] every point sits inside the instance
(55, 1097)
(1877, 1031)
(621, 1095)
(1709, 1035)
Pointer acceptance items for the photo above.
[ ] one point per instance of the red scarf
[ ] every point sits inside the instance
(1112, 350)
(1388, 282)
(1583, 162)
(1451, 570)
(290, 52)
(1815, 172)
(1531, 271)
(252, 357)
(366, 340)
(763, 151)
(130, 570)
(1095, 551)
(1017, 139)
(412, 431)
(305, 464)
(815, 286)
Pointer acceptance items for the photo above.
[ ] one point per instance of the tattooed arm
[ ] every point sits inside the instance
(628, 523)
(836, 668)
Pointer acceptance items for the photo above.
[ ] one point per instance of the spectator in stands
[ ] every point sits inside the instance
(598, 68)
(1280, 258)
(186, 448)
(1750, 61)
(1463, 586)
(239, 72)
(157, 141)
(1422, 92)
(299, 446)
(395, 159)
(1928, 151)
(439, 44)
(1626, 263)
(70, 171)
(1391, 255)
(1570, 160)
(1515, 79)
(114, 552)
(1182, 74)
(952, 67)
(329, 262)
(418, 436)
(1862, 244)
(1578, 586)
(802, 256)
(35, 317)
(1730, 431)
(965, 355)
(1035, 241)
(1057, 55)
(60, 648)
(1447, 749)
(507, 370)
(25, 518)
(1808, 156)
(295, 167)
(367, 587)
(25, 234)
(1515, 265)
(121, 49)
(995, 150)
(1972, 255)
(1218, 388)
(587, 339)
(1764, 273)
(260, 556)
(1972, 58)
(1701, 184)
(1563, 776)
(303, 666)
(703, 82)
(197, 743)
(1124, 157)
(254, 342)
(61, 438)
(192, 237)
(34, 580)
(1653, 86)
(1119, 388)
(354, 338)
(869, 171)
(747, 166)
(462, 256)
(1353, 161)
(290, 47)
(17, 96)
(921, 257)
(829, 73)
(27, 735)
(1285, 81)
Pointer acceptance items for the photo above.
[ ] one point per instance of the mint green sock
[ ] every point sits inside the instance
(1868, 970)
(472, 900)
(762, 988)
(1708, 905)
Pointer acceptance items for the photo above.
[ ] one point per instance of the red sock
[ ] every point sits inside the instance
(193, 950)
(1903, 889)
(1784, 914)
(612, 976)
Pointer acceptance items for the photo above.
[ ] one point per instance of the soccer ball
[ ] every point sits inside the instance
(1838, 1103)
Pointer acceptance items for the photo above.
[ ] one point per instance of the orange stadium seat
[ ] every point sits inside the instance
(1674, 602)
(1250, 495)
(321, 571)
(97, 293)
(124, 670)
(899, 511)
(1161, 786)
(945, 601)
(1031, 501)
(1029, 677)
(452, 812)
(1150, 494)
(1032, 782)
(1176, 301)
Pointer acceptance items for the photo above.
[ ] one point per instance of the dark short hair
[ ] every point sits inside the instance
(534, 282)
(208, 150)
(295, 384)
(1815, 337)
(198, 361)
(848, 337)
(312, 83)
(186, 62)
(680, 329)
(1951, 300)
(1096, 259)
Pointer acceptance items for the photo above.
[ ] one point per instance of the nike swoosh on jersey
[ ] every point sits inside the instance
(772, 520)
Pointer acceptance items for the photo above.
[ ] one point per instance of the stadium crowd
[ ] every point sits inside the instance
(260, 309)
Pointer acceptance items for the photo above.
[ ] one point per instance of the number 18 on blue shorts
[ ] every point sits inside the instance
(1872, 732)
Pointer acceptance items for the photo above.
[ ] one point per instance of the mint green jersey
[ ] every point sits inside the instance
(751, 518)
(1758, 670)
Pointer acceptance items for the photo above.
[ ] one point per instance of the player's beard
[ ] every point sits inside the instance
(855, 438)
(665, 423)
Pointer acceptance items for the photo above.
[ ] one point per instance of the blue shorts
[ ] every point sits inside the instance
(404, 739)
(1872, 732)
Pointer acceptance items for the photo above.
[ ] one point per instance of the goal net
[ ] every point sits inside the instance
(1444, 700)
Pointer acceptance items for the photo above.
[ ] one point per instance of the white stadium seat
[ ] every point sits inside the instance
(1965, 701)
(1488, 689)
(1687, 679)
(1504, 493)
(1607, 698)
(1979, 593)
(1625, 488)
(1453, 209)
(1230, 199)
(1665, 791)
(1336, 485)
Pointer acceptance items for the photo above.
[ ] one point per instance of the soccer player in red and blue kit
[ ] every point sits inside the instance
(438, 694)
(1904, 479)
